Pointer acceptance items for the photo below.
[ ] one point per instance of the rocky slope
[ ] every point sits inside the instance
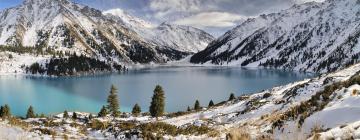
(325, 107)
(68, 27)
(316, 37)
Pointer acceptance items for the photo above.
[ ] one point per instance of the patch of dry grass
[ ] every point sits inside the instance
(238, 134)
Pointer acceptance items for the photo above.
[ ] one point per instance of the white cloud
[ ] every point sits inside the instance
(174, 9)
(304, 1)
(176, 5)
(211, 19)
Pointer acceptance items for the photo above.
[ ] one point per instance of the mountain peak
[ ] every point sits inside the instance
(45, 1)
(66, 26)
(314, 37)
(128, 19)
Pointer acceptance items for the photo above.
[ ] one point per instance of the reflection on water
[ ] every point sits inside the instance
(182, 85)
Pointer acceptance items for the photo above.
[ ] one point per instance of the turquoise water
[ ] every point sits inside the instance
(182, 85)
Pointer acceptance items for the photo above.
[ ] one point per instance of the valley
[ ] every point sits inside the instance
(290, 74)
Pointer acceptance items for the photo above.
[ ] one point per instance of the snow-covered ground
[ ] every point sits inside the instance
(14, 63)
(8, 132)
(258, 112)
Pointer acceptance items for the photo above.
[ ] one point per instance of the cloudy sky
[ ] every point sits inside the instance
(214, 16)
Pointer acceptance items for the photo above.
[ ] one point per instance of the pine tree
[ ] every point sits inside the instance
(113, 102)
(211, 103)
(157, 106)
(66, 114)
(103, 112)
(30, 113)
(136, 110)
(197, 105)
(232, 97)
(5, 111)
(188, 109)
(2, 111)
(74, 116)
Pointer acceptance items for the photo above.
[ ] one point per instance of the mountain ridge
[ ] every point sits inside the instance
(68, 27)
(306, 37)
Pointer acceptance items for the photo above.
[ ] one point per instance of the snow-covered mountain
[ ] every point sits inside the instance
(317, 37)
(183, 38)
(69, 27)
(128, 19)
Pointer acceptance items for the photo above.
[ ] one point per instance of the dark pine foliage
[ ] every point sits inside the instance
(74, 116)
(197, 105)
(5, 111)
(66, 114)
(72, 66)
(232, 97)
(113, 102)
(136, 110)
(157, 106)
(30, 113)
(211, 103)
(103, 112)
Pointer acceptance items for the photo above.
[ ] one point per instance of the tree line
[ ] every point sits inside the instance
(72, 65)
(156, 109)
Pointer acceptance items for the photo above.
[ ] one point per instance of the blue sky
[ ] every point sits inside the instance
(214, 16)
(8, 3)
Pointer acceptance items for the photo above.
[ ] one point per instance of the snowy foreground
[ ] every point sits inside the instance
(325, 107)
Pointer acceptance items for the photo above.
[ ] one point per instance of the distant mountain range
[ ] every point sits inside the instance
(116, 35)
(316, 37)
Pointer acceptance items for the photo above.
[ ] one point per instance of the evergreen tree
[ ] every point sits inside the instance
(157, 106)
(5, 111)
(103, 112)
(2, 111)
(66, 114)
(232, 97)
(197, 105)
(113, 102)
(30, 113)
(188, 109)
(74, 116)
(211, 103)
(136, 110)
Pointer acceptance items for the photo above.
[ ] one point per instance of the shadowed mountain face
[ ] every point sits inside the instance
(316, 37)
(64, 26)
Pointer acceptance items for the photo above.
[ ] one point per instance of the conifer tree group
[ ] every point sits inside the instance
(5, 111)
